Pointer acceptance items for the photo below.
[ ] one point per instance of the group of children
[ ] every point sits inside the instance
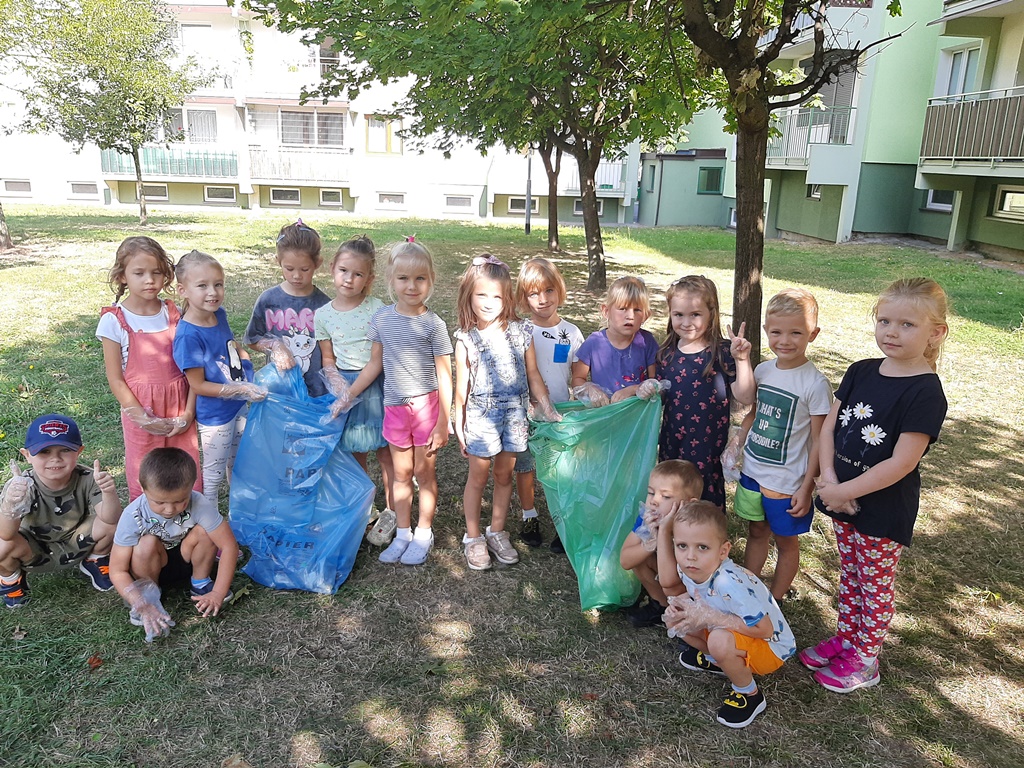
(183, 383)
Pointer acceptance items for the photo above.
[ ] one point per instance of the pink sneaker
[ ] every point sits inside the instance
(848, 673)
(822, 654)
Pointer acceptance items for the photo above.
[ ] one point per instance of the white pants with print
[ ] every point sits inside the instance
(219, 445)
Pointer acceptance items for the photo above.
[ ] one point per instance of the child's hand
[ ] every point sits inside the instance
(180, 423)
(143, 597)
(624, 393)
(438, 439)
(543, 410)
(210, 603)
(16, 497)
(242, 390)
(801, 503)
(278, 353)
(104, 480)
(651, 389)
(835, 500)
(738, 345)
(590, 394)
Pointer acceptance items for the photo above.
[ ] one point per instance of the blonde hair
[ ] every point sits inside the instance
(130, 247)
(488, 267)
(713, 338)
(628, 291)
(408, 252)
(301, 238)
(927, 296)
(683, 472)
(190, 260)
(538, 275)
(793, 301)
(703, 513)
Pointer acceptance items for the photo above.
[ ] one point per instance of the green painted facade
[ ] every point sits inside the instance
(925, 223)
(675, 181)
(799, 214)
(179, 193)
(982, 227)
(885, 197)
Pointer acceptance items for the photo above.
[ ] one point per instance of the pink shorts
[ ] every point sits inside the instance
(410, 424)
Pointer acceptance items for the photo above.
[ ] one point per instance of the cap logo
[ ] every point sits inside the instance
(54, 428)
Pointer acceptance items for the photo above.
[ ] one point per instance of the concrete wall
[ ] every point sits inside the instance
(798, 214)
(885, 197)
(675, 182)
(985, 228)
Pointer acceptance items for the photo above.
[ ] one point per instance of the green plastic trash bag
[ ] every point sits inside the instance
(594, 467)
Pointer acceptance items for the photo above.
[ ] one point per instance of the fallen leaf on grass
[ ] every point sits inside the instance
(431, 668)
(590, 697)
(94, 662)
(359, 764)
(19, 633)
(235, 761)
(238, 594)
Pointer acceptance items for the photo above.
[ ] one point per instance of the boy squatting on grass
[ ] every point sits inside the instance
(167, 534)
(672, 482)
(56, 515)
(729, 621)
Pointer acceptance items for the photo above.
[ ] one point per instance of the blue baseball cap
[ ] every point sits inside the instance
(52, 429)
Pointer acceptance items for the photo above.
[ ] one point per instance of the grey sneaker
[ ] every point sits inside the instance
(417, 551)
(499, 543)
(383, 530)
(394, 552)
(476, 554)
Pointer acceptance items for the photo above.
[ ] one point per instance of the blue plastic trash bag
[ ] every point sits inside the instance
(298, 503)
(594, 467)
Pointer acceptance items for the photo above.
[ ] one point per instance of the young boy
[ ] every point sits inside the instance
(166, 534)
(780, 454)
(56, 515)
(728, 620)
(671, 483)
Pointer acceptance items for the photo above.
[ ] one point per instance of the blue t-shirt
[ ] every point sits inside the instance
(614, 369)
(212, 349)
(290, 318)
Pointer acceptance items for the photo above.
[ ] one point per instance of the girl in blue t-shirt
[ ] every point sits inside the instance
(217, 368)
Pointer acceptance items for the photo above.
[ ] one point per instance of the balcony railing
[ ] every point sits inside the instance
(985, 125)
(314, 164)
(800, 127)
(172, 161)
(608, 179)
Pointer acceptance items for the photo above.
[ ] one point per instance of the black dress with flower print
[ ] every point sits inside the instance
(695, 426)
(874, 411)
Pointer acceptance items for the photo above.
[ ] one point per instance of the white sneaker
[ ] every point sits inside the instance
(383, 530)
(417, 551)
(395, 551)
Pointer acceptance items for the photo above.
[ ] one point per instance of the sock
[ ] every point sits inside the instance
(404, 534)
(422, 534)
(12, 579)
(746, 689)
(466, 539)
(868, 660)
(529, 513)
(95, 558)
(489, 532)
(200, 583)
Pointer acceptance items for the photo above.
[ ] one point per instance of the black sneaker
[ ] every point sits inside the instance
(647, 615)
(98, 571)
(740, 709)
(529, 533)
(556, 546)
(15, 595)
(695, 660)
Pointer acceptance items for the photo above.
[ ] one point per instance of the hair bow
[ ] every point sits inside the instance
(479, 261)
(410, 238)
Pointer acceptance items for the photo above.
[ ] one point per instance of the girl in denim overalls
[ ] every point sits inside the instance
(495, 375)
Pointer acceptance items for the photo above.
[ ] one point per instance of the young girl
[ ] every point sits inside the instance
(137, 332)
(282, 320)
(411, 345)
(703, 372)
(495, 374)
(341, 328)
(217, 368)
(885, 415)
(540, 290)
(621, 355)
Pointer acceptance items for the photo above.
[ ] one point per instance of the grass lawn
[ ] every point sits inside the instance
(441, 666)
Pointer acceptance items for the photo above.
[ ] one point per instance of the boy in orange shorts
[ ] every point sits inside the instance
(728, 620)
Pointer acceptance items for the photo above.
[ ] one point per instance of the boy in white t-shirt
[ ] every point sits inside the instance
(780, 453)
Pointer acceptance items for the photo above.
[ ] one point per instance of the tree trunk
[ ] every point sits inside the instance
(588, 158)
(751, 153)
(5, 235)
(551, 168)
(138, 186)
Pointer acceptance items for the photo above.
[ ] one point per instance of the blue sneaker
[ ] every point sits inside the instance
(98, 571)
(195, 591)
(15, 595)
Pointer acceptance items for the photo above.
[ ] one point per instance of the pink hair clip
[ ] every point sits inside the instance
(479, 261)
(410, 238)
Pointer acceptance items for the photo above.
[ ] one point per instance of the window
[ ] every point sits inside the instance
(732, 218)
(1009, 203)
(940, 200)
(814, 191)
(330, 129)
(391, 199)
(197, 38)
(709, 181)
(307, 128)
(330, 197)
(84, 189)
(381, 136)
(155, 191)
(284, 196)
(297, 128)
(202, 126)
(329, 59)
(459, 202)
(577, 207)
(963, 70)
(652, 170)
(10, 185)
(219, 194)
(517, 205)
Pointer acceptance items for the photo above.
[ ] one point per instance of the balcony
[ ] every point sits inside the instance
(608, 180)
(330, 165)
(799, 128)
(172, 161)
(985, 127)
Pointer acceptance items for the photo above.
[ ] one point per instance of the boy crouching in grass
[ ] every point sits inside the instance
(729, 621)
(166, 535)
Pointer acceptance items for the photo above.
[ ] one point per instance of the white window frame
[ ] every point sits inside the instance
(577, 207)
(16, 192)
(930, 203)
(72, 195)
(292, 203)
(390, 205)
(947, 86)
(208, 199)
(155, 197)
(394, 144)
(458, 208)
(814, 192)
(534, 205)
(341, 198)
(732, 218)
(1007, 215)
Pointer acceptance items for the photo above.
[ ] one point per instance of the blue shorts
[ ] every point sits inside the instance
(495, 425)
(750, 504)
(525, 462)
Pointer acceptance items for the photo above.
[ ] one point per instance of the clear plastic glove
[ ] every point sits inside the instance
(732, 457)
(242, 390)
(591, 395)
(648, 530)
(337, 386)
(17, 499)
(143, 418)
(543, 410)
(687, 615)
(278, 353)
(652, 389)
(144, 599)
